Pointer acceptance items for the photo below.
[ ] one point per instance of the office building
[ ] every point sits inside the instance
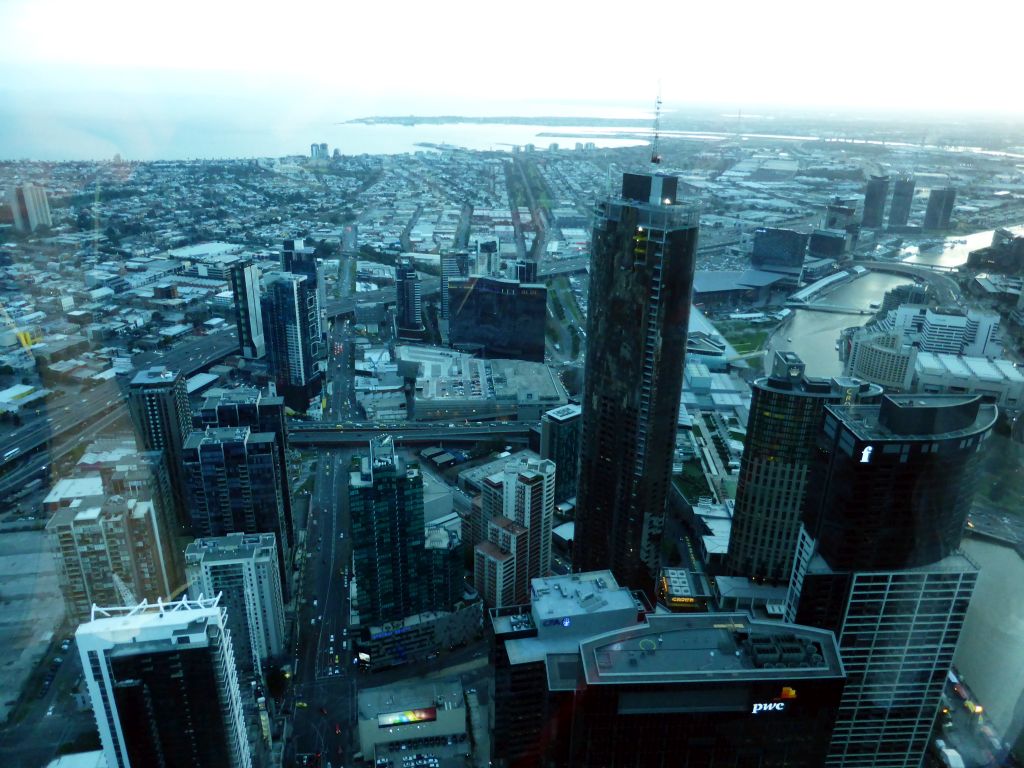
(158, 404)
(892, 483)
(242, 569)
(874, 201)
(891, 486)
(940, 208)
(234, 486)
(250, 407)
(827, 244)
(386, 504)
(560, 442)
(496, 317)
(454, 264)
(245, 285)
(415, 717)
(840, 213)
(30, 207)
(881, 357)
(164, 686)
(902, 201)
(641, 276)
(587, 675)
(785, 415)
(409, 300)
(291, 325)
(779, 250)
(997, 381)
(1005, 256)
(101, 551)
(524, 270)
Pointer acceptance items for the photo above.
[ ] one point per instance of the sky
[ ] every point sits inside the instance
(302, 61)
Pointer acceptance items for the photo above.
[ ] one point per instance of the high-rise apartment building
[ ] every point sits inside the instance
(299, 259)
(158, 404)
(875, 193)
(560, 442)
(102, 551)
(497, 317)
(454, 264)
(409, 299)
(386, 504)
(890, 489)
(30, 207)
(786, 412)
(940, 208)
(242, 569)
(234, 486)
(585, 675)
(522, 529)
(164, 686)
(291, 324)
(641, 278)
(245, 285)
(902, 201)
(250, 407)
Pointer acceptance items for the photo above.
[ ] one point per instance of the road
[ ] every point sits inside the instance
(324, 675)
(405, 434)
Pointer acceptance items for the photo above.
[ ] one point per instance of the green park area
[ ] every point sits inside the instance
(691, 482)
(744, 336)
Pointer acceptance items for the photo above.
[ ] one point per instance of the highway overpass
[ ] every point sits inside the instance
(327, 436)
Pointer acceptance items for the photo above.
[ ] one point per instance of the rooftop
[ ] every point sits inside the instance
(234, 546)
(684, 648)
(158, 374)
(901, 417)
(564, 413)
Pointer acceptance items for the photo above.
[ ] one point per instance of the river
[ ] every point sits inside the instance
(813, 335)
(955, 249)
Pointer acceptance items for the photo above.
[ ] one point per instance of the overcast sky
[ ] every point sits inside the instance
(352, 57)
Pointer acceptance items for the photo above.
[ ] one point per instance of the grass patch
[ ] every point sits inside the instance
(691, 482)
(743, 336)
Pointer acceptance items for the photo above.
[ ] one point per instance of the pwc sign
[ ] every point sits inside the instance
(777, 705)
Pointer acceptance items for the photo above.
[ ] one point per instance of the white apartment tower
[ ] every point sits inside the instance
(164, 686)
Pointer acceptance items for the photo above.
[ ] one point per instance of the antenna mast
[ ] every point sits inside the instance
(655, 153)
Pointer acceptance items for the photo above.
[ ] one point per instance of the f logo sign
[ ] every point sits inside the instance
(865, 455)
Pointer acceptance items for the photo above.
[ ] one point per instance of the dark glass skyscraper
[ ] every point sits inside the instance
(890, 488)
(874, 201)
(234, 486)
(498, 317)
(779, 248)
(408, 299)
(158, 403)
(641, 277)
(292, 327)
(560, 442)
(386, 502)
(940, 208)
(902, 200)
(245, 285)
(785, 416)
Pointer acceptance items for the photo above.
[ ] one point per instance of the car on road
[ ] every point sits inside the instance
(301, 704)
(332, 638)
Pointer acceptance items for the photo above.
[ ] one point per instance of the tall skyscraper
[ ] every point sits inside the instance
(641, 277)
(158, 403)
(386, 504)
(299, 259)
(234, 486)
(245, 285)
(890, 489)
(587, 676)
(242, 568)
(874, 201)
(498, 317)
(454, 264)
(940, 208)
(409, 299)
(29, 207)
(292, 327)
(902, 201)
(785, 415)
(164, 686)
(99, 551)
(250, 407)
(560, 442)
